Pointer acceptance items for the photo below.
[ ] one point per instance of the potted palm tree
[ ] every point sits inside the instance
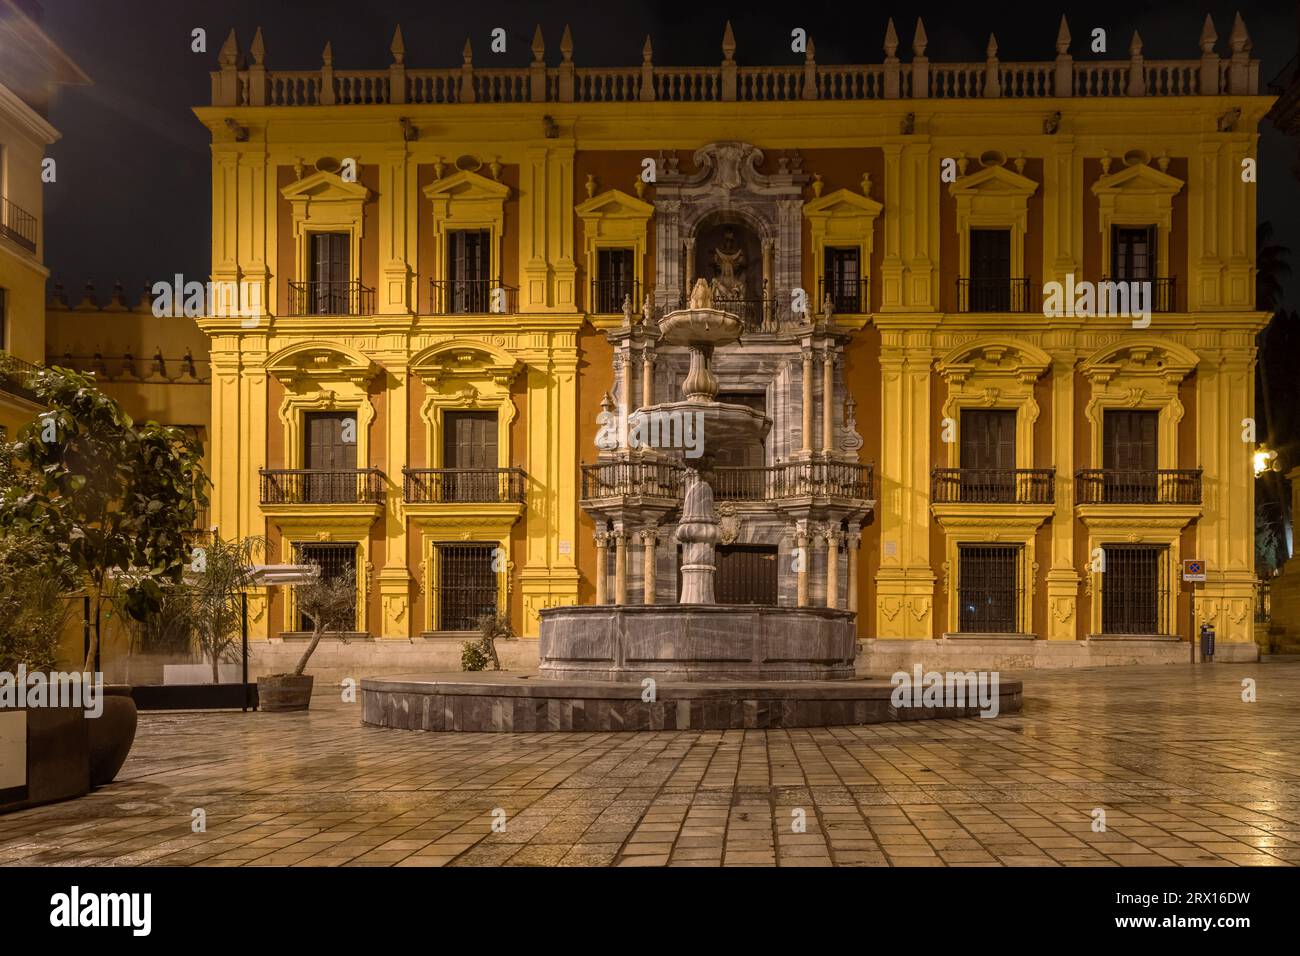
(330, 604)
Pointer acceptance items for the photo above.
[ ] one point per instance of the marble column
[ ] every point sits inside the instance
(620, 564)
(649, 544)
(832, 567)
(688, 244)
(828, 408)
(602, 567)
(623, 375)
(805, 440)
(647, 377)
(852, 541)
(801, 541)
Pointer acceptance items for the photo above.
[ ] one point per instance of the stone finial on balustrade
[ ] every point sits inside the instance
(397, 69)
(57, 299)
(225, 82)
(1209, 78)
(256, 95)
(920, 63)
(466, 94)
(647, 71)
(810, 71)
(730, 71)
(565, 89)
(1137, 74)
(1239, 69)
(117, 302)
(327, 76)
(537, 68)
(992, 81)
(1063, 81)
(89, 302)
(891, 61)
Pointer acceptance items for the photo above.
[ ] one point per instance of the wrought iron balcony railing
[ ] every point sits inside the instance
(626, 479)
(331, 298)
(472, 297)
(18, 225)
(1022, 486)
(794, 479)
(994, 295)
(847, 297)
(608, 296)
(308, 486)
(1160, 486)
(1162, 297)
(459, 485)
(16, 376)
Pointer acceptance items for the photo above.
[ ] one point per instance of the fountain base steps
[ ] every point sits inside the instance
(494, 702)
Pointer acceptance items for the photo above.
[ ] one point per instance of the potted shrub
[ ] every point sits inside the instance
(477, 655)
(331, 603)
(114, 500)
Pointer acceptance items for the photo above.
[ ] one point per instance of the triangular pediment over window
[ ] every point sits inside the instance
(325, 187)
(614, 204)
(1138, 180)
(993, 180)
(843, 202)
(467, 186)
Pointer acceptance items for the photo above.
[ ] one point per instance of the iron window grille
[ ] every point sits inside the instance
(467, 585)
(989, 588)
(1135, 589)
(335, 558)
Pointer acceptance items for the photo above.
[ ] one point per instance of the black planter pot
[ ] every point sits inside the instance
(111, 734)
(283, 692)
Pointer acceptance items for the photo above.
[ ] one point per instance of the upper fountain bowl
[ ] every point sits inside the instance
(700, 328)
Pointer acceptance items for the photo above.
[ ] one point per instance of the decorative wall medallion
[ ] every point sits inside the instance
(728, 521)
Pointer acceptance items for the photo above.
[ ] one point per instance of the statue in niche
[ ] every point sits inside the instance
(729, 267)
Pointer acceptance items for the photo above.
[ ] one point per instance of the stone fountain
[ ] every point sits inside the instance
(692, 665)
(698, 639)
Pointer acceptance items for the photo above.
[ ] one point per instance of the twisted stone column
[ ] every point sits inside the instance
(828, 408)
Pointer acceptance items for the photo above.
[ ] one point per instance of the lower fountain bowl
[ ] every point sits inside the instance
(696, 642)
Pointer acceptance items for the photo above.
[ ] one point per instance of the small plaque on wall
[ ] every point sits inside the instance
(13, 754)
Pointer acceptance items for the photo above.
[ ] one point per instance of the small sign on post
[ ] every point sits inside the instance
(1193, 574)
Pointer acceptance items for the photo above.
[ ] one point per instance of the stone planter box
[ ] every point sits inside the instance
(55, 756)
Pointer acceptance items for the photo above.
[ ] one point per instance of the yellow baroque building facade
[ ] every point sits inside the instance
(449, 283)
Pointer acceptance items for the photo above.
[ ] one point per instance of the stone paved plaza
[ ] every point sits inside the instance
(1187, 773)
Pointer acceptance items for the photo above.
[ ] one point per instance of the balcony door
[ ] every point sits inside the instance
(616, 281)
(469, 267)
(990, 270)
(988, 454)
(1133, 253)
(469, 445)
(1130, 454)
(331, 273)
(326, 451)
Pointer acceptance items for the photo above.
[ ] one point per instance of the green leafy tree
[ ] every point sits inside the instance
(113, 497)
(331, 603)
(227, 572)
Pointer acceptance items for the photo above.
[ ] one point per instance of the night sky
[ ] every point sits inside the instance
(132, 200)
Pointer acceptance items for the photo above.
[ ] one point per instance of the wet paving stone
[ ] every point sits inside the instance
(1186, 772)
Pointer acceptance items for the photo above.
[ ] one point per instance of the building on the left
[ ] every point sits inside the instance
(32, 69)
